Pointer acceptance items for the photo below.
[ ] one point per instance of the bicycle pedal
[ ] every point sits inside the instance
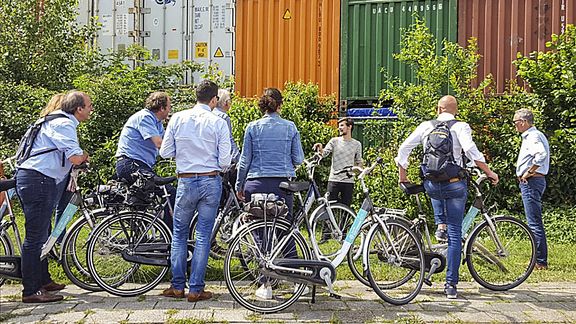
(428, 282)
(335, 296)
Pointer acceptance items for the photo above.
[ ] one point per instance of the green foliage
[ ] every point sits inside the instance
(560, 223)
(43, 46)
(551, 76)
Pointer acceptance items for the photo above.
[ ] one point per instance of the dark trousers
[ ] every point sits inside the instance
(341, 192)
(124, 169)
(37, 194)
(532, 192)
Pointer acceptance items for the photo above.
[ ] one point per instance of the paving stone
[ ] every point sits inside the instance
(200, 314)
(548, 316)
(174, 304)
(105, 306)
(52, 308)
(143, 305)
(232, 316)
(472, 317)
(27, 319)
(329, 305)
(148, 316)
(315, 316)
(364, 305)
(427, 316)
(68, 317)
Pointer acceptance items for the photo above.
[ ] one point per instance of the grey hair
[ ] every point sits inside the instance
(72, 100)
(224, 96)
(525, 114)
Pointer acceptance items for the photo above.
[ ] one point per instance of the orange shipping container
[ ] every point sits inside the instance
(505, 27)
(287, 40)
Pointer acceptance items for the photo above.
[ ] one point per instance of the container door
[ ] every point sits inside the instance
(164, 30)
(117, 24)
(211, 33)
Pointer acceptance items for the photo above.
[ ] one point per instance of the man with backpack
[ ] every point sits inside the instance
(444, 139)
(44, 159)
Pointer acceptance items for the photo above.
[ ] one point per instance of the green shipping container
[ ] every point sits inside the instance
(370, 34)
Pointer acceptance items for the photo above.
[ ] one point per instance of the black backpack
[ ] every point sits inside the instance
(27, 142)
(438, 163)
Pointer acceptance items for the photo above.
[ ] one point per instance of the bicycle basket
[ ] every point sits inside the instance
(266, 205)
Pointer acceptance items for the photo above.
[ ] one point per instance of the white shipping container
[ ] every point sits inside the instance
(173, 30)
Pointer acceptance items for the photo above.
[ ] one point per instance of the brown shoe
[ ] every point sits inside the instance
(42, 296)
(203, 295)
(172, 292)
(540, 266)
(53, 286)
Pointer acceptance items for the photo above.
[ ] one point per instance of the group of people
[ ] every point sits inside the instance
(200, 140)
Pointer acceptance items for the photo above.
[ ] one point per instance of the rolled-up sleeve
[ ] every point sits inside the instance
(537, 150)
(64, 136)
(168, 147)
(408, 145)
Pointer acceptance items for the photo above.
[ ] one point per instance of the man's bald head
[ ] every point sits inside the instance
(448, 104)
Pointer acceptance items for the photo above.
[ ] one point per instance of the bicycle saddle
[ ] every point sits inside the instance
(294, 186)
(411, 188)
(7, 184)
(160, 181)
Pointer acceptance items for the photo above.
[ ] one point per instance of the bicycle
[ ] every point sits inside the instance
(128, 252)
(70, 257)
(273, 256)
(500, 251)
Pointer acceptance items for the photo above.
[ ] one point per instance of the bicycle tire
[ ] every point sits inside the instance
(6, 248)
(116, 234)
(395, 281)
(328, 240)
(73, 252)
(488, 265)
(243, 268)
(218, 247)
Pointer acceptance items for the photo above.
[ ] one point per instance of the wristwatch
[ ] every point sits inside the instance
(531, 172)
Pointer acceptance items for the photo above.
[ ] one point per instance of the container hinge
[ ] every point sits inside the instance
(137, 33)
(142, 11)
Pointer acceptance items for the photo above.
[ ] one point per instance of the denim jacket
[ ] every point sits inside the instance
(271, 148)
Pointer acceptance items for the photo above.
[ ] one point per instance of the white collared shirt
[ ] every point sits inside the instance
(198, 139)
(535, 150)
(461, 136)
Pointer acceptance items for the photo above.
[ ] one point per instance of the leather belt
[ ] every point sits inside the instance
(201, 174)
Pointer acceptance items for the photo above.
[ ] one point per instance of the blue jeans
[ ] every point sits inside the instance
(124, 169)
(449, 201)
(37, 194)
(532, 192)
(200, 194)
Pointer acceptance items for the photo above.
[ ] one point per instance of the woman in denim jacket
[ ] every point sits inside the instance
(271, 151)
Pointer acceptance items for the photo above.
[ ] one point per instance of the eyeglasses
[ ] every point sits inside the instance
(517, 120)
(217, 98)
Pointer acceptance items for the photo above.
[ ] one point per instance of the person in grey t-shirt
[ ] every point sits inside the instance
(346, 152)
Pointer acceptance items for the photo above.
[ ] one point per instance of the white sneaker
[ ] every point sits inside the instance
(305, 292)
(264, 292)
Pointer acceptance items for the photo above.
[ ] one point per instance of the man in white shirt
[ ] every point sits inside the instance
(448, 197)
(200, 142)
(531, 168)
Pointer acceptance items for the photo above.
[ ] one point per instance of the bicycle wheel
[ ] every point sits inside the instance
(73, 252)
(223, 234)
(5, 249)
(502, 257)
(329, 235)
(249, 281)
(128, 253)
(395, 264)
(355, 255)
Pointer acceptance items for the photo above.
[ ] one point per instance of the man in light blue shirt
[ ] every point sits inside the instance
(140, 139)
(531, 168)
(36, 184)
(221, 110)
(200, 142)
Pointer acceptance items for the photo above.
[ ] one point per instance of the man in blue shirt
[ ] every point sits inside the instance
(531, 168)
(200, 142)
(140, 139)
(36, 184)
